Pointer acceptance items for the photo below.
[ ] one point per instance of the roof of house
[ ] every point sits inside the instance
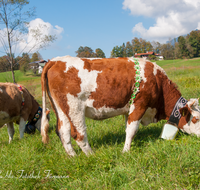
(140, 54)
(146, 54)
(41, 63)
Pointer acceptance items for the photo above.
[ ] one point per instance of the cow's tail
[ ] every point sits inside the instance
(45, 121)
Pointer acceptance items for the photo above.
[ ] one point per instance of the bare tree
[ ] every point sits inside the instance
(16, 25)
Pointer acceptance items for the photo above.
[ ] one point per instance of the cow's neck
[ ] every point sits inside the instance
(171, 95)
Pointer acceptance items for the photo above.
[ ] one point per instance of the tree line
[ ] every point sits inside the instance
(179, 48)
(20, 62)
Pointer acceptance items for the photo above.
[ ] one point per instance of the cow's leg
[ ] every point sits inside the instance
(131, 131)
(11, 131)
(78, 132)
(22, 124)
(82, 141)
(78, 126)
(64, 132)
(132, 125)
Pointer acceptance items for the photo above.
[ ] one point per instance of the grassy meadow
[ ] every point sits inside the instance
(152, 163)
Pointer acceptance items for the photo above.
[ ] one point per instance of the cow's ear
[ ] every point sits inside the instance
(184, 111)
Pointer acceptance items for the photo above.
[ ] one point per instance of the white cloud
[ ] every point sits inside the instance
(37, 29)
(198, 27)
(172, 17)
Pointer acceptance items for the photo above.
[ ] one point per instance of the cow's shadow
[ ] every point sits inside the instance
(144, 135)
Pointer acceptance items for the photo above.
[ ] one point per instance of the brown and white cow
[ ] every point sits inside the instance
(19, 106)
(102, 88)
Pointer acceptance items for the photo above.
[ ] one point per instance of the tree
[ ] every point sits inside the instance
(3, 64)
(24, 62)
(99, 53)
(117, 51)
(85, 52)
(16, 26)
(35, 57)
(182, 46)
(156, 47)
(136, 45)
(167, 50)
(194, 40)
(177, 51)
(129, 50)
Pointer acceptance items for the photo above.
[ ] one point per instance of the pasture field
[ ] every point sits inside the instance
(152, 163)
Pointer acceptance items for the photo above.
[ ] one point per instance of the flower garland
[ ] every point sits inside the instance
(137, 82)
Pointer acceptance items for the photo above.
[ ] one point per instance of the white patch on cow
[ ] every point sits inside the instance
(190, 127)
(77, 112)
(156, 68)
(11, 131)
(149, 117)
(1, 90)
(142, 63)
(131, 130)
(77, 116)
(103, 112)
(132, 108)
(93, 58)
(22, 124)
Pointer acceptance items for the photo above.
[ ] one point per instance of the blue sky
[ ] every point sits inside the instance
(107, 23)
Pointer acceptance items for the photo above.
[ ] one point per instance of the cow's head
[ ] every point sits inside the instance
(190, 118)
(31, 126)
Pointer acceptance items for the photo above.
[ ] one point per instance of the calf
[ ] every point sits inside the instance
(19, 106)
(103, 88)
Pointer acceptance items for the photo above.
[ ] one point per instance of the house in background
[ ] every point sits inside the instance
(147, 55)
(38, 65)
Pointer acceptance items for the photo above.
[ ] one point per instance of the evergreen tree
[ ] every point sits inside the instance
(99, 53)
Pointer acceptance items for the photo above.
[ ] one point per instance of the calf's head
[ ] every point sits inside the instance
(190, 118)
(35, 123)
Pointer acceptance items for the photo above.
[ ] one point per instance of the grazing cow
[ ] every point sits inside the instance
(104, 88)
(19, 106)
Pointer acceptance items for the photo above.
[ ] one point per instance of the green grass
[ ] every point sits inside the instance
(152, 162)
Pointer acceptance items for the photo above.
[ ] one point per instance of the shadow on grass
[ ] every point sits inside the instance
(144, 135)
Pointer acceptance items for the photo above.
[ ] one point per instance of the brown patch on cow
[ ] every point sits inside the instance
(114, 83)
(75, 134)
(60, 124)
(194, 120)
(64, 82)
(95, 64)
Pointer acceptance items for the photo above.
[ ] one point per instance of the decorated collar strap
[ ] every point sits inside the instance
(36, 116)
(137, 81)
(176, 115)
